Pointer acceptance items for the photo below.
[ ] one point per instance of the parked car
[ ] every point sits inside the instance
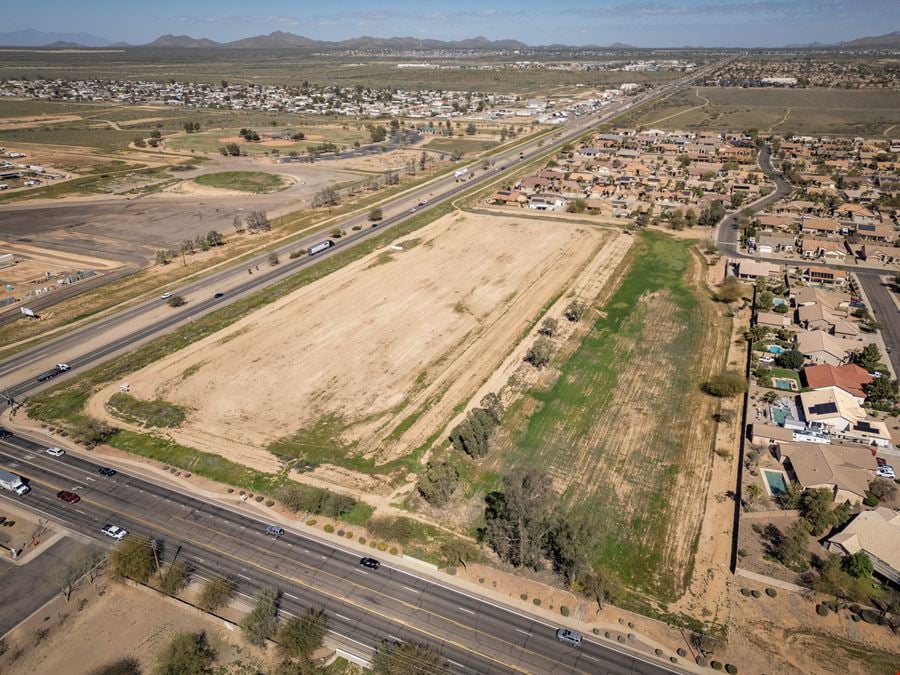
(165, 296)
(886, 471)
(413, 210)
(5, 433)
(572, 637)
(114, 531)
(106, 471)
(371, 563)
(69, 497)
(219, 295)
(55, 452)
(881, 461)
(275, 531)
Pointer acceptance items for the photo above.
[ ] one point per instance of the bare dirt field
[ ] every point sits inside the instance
(117, 621)
(360, 367)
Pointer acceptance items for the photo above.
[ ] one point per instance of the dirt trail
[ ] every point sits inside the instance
(682, 112)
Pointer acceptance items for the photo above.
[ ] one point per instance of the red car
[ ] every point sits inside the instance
(67, 496)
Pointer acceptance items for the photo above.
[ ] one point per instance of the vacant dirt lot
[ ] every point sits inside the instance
(367, 362)
(116, 622)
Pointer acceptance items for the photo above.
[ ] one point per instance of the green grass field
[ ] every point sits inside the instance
(782, 111)
(614, 429)
(245, 181)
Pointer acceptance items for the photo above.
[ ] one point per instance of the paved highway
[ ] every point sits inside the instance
(364, 606)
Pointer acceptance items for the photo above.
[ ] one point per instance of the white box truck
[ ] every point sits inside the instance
(10, 481)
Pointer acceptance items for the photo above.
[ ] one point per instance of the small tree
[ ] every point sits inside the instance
(215, 593)
(883, 488)
(186, 653)
(132, 558)
(273, 259)
(882, 389)
(175, 578)
(792, 359)
(601, 588)
(858, 565)
(493, 405)
(176, 301)
(407, 658)
(575, 311)
(549, 327)
(163, 256)
(299, 637)
(728, 383)
(260, 624)
(438, 483)
(213, 238)
(539, 353)
(375, 214)
(868, 357)
(125, 666)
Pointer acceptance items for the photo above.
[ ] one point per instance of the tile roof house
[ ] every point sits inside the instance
(849, 378)
(877, 534)
(836, 301)
(844, 469)
(772, 320)
(824, 275)
(820, 347)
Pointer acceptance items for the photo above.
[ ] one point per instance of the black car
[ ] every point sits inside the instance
(5, 433)
(106, 471)
(371, 563)
(219, 295)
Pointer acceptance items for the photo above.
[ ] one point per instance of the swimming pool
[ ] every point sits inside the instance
(775, 481)
(776, 349)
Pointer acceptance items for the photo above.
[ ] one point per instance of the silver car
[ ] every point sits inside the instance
(570, 636)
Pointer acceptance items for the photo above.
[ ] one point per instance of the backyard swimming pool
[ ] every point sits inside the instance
(775, 481)
(776, 349)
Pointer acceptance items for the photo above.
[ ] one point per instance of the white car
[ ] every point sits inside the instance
(886, 471)
(55, 452)
(115, 532)
(767, 359)
(165, 296)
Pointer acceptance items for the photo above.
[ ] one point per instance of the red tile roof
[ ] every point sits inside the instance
(849, 377)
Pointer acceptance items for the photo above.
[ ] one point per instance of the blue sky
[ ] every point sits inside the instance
(639, 22)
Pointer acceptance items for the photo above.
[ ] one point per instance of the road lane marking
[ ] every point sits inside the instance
(592, 658)
(463, 609)
(341, 616)
(458, 665)
(411, 590)
(243, 576)
(523, 632)
(291, 596)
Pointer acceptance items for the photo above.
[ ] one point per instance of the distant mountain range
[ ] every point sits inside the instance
(877, 41)
(283, 40)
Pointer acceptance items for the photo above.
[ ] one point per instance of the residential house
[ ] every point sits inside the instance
(820, 347)
(877, 534)
(824, 275)
(880, 254)
(831, 409)
(824, 226)
(845, 470)
(849, 378)
(837, 301)
(828, 249)
(876, 232)
(546, 202)
(751, 269)
(770, 242)
(818, 316)
(772, 320)
(507, 197)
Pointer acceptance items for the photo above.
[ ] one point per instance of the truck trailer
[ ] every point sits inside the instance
(10, 481)
(321, 246)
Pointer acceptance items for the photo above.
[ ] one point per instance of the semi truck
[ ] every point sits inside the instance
(321, 246)
(459, 173)
(58, 369)
(10, 481)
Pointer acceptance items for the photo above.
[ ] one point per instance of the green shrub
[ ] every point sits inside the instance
(329, 528)
(821, 610)
(393, 550)
(728, 383)
(564, 610)
(537, 602)
(731, 669)
(771, 592)
(270, 502)
(745, 591)
(523, 596)
(715, 665)
(755, 593)
(311, 522)
(362, 540)
(869, 615)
